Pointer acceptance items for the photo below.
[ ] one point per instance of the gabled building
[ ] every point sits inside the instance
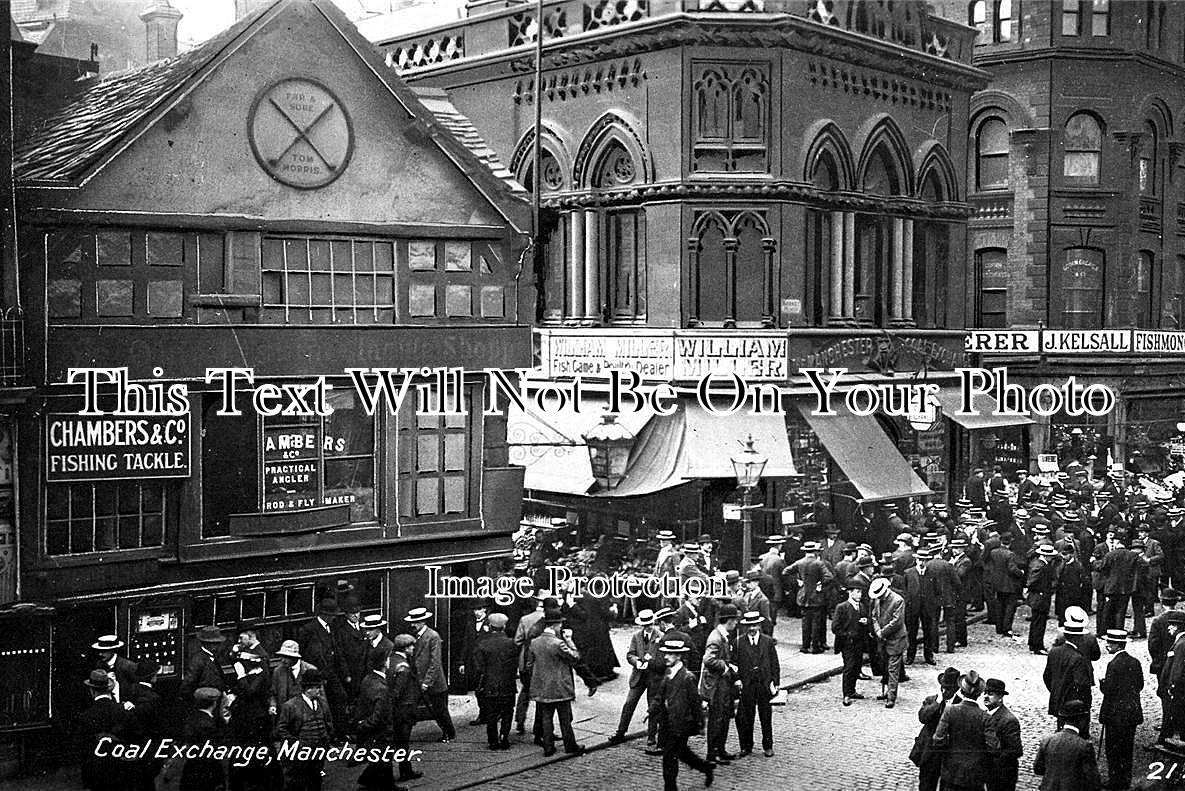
(275, 199)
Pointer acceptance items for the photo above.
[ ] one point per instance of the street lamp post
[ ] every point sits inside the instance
(748, 466)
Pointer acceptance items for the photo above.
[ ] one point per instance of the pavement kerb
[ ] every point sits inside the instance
(561, 756)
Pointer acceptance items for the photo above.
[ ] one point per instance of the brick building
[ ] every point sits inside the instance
(274, 199)
(754, 187)
(1075, 174)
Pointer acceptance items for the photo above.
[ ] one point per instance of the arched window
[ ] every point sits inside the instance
(826, 173)
(1004, 20)
(730, 115)
(732, 271)
(553, 174)
(881, 177)
(1083, 142)
(991, 155)
(1146, 166)
(977, 18)
(622, 265)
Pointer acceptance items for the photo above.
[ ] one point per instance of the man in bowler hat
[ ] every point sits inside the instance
(1065, 760)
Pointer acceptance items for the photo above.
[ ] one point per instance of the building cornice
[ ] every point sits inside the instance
(747, 31)
(1109, 55)
(758, 190)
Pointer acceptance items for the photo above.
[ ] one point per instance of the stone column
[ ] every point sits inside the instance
(592, 291)
(896, 277)
(907, 272)
(835, 312)
(849, 265)
(575, 307)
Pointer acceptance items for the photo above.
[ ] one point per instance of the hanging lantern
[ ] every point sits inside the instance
(748, 465)
(609, 445)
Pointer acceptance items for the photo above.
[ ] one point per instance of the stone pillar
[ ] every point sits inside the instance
(907, 271)
(849, 265)
(592, 291)
(575, 307)
(731, 244)
(835, 309)
(896, 276)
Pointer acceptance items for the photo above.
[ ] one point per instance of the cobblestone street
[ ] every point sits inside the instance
(821, 745)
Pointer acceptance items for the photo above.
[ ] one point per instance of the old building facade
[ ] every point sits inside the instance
(1075, 174)
(274, 200)
(750, 187)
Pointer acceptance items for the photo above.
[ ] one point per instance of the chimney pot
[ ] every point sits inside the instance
(160, 27)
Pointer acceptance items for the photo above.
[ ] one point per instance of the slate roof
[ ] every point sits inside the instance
(69, 142)
(438, 103)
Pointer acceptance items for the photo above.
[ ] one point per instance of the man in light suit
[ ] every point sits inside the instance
(550, 660)
(521, 639)
(718, 673)
(429, 667)
(760, 674)
(888, 626)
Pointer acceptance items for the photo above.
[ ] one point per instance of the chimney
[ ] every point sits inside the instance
(247, 7)
(160, 23)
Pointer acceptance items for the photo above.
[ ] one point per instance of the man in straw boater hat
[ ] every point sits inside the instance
(760, 674)
(1041, 581)
(678, 710)
(850, 625)
(120, 670)
(1121, 712)
(405, 697)
(203, 669)
(645, 675)
(813, 578)
(429, 667)
(1066, 760)
(1068, 674)
(550, 661)
(1003, 762)
(888, 626)
(923, 603)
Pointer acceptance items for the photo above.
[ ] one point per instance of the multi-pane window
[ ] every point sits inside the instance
(328, 281)
(436, 465)
(1146, 164)
(454, 280)
(991, 291)
(121, 275)
(1083, 143)
(1071, 18)
(1004, 21)
(103, 516)
(1173, 289)
(991, 163)
(1082, 288)
(1100, 18)
(1144, 276)
(313, 461)
(977, 18)
(730, 118)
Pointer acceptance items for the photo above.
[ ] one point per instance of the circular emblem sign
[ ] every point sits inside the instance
(300, 133)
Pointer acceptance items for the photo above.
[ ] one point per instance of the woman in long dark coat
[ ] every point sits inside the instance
(590, 632)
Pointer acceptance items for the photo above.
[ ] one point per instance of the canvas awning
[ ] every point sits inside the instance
(950, 401)
(670, 450)
(865, 454)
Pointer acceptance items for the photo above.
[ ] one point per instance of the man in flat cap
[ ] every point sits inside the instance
(404, 690)
(1065, 760)
(201, 726)
(550, 662)
(1121, 712)
(1003, 760)
(304, 719)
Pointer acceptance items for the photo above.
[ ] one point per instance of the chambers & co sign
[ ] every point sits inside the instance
(106, 447)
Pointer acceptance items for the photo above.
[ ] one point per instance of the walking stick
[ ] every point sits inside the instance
(1102, 753)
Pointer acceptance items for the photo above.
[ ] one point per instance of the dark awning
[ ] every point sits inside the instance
(865, 454)
(950, 400)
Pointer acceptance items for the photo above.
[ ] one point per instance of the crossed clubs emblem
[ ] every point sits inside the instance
(302, 135)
